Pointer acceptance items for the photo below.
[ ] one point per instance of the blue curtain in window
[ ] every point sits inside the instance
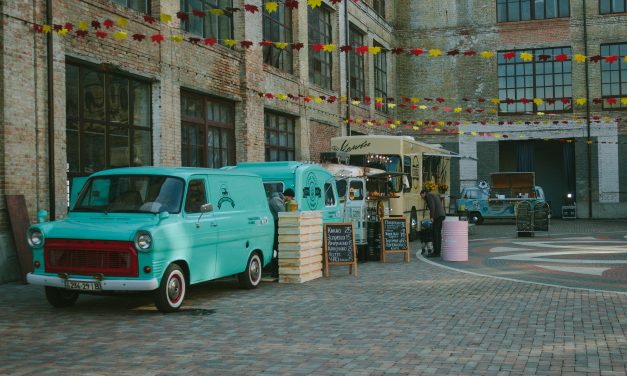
(525, 155)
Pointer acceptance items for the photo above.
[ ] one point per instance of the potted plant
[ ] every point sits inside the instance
(442, 187)
(429, 186)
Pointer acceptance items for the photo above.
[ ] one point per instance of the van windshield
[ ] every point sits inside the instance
(131, 194)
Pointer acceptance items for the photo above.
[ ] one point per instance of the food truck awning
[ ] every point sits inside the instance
(450, 156)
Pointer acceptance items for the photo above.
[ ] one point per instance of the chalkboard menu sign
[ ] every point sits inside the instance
(339, 246)
(394, 236)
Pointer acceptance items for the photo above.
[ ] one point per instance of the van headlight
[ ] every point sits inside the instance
(35, 238)
(143, 241)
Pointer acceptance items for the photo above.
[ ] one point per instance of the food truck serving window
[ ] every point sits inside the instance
(395, 166)
(356, 191)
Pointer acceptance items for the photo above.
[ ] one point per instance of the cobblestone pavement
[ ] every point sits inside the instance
(581, 254)
(397, 318)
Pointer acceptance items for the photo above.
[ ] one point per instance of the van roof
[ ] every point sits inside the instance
(275, 169)
(184, 172)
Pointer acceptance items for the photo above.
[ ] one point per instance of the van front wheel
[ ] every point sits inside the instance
(60, 298)
(251, 277)
(171, 292)
(475, 217)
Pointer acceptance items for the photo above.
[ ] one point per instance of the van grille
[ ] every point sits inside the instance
(88, 257)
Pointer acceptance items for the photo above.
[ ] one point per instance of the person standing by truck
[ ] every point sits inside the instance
(277, 205)
(437, 214)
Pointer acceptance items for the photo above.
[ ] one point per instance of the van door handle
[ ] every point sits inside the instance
(213, 224)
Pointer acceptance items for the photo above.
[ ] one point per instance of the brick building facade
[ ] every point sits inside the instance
(174, 103)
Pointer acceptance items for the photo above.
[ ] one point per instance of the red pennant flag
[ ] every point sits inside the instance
(481, 100)
(439, 100)
(38, 28)
(379, 104)
(56, 27)
(251, 8)
(108, 23)
(345, 48)
(246, 44)
(198, 13)
(307, 99)
(550, 101)
(544, 57)
(157, 38)
(509, 55)
(561, 57)
(480, 110)
(367, 99)
(608, 59)
(417, 51)
(95, 24)
(151, 20)
(469, 110)
(611, 100)
(182, 16)
(317, 47)
(69, 27)
(193, 40)
(210, 41)
(266, 43)
(524, 100)
(565, 100)
(398, 50)
(470, 53)
(413, 106)
(597, 100)
(595, 58)
(291, 4)
(101, 34)
(81, 33)
(362, 50)
(434, 108)
(332, 99)
(139, 37)
(297, 46)
(269, 96)
(509, 101)
(453, 52)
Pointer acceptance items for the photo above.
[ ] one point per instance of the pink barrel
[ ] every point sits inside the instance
(454, 240)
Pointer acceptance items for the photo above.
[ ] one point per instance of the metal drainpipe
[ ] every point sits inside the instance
(589, 146)
(348, 71)
(50, 71)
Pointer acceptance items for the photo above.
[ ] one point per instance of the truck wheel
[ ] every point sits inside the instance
(251, 277)
(60, 298)
(171, 292)
(413, 224)
(475, 217)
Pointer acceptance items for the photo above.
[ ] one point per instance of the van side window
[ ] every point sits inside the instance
(407, 178)
(329, 196)
(272, 187)
(196, 196)
(356, 191)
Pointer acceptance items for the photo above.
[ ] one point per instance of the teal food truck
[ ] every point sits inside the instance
(314, 186)
(154, 229)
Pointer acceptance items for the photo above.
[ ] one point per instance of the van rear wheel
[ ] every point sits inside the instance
(171, 292)
(60, 298)
(251, 277)
(475, 217)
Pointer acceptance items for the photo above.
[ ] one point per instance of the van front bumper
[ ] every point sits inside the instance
(106, 284)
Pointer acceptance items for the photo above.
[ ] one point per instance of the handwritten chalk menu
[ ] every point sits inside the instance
(395, 236)
(339, 246)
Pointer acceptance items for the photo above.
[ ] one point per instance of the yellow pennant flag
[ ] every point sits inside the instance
(441, 123)
(580, 58)
(457, 109)
(495, 100)
(393, 105)
(355, 102)
(318, 100)
(165, 18)
(177, 38)
(381, 121)
(280, 45)
(625, 58)
(82, 25)
(538, 101)
(542, 114)
(119, 35)
(398, 122)
(623, 100)
(230, 42)
(46, 28)
(343, 98)
(271, 6)
(589, 142)
(62, 32)
(526, 56)
(492, 111)
(461, 132)
(487, 54)
(378, 99)
(419, 122)
(435, 52)
(473, 133)
(393, 126)
(422, 107)
(281, 96)
(329, 47)
(374, 50)
(436, 129)
(216, 11)
(122, 22)
(314, 3)
(580, 101)
(416, 128)
(414, 100)
(496, 135)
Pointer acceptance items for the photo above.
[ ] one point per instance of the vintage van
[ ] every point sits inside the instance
(313, 185)
(154, 229)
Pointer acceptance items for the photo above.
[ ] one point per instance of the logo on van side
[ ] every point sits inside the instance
(347, 148)
(311, 191)
(225, 197)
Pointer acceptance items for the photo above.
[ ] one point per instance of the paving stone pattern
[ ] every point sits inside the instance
(394, 319)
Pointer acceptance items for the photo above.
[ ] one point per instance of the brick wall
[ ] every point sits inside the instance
(320, 138)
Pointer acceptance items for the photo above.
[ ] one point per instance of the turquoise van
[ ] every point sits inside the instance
(154, 229)
(313, 185)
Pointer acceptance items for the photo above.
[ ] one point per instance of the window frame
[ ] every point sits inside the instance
(186, 25)
(357, 64)
(379, 7)
(208, 125)
(84, 124)
(268, 147)
(146, 3)
(322, 16)
(532, 10)
(611, 6)
(534, 64)
(282, 59)
(381, 68)
(621, 68)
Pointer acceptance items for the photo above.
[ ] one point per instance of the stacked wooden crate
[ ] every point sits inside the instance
(300, 246)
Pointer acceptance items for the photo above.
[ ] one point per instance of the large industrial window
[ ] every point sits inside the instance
(357, 68)
(525, 10)
(279, 137)
(277, 27)
(108, 121)
(207, 131)
(379, 7)
(211, 25)
(381, 79)
(612, 6)
(138, 5)
(320, 63)
(614, 76)
(548, 77)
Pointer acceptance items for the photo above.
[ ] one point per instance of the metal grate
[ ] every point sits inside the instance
(88, 257)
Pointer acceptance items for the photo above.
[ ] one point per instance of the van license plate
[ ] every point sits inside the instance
(82, 285)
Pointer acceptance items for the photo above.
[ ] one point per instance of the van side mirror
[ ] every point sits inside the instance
(206, 208)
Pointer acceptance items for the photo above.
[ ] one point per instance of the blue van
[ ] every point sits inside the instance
(154, 229)
(313, 185)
